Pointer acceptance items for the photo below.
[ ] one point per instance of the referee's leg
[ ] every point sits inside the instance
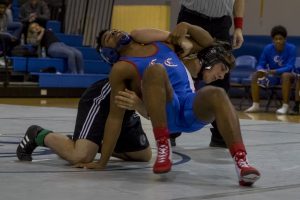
(216, 138)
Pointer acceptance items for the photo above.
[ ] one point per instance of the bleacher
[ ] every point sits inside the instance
(95, 68)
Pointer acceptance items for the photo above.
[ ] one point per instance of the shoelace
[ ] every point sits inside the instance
(240, 159)
(163, 152)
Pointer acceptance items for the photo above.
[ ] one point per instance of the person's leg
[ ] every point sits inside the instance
(88, 132)
(82, 151)
(216, 138)
(255, 92)
(286, 84)
(296, 110)
(157, 91)
(186, 16)
(91, 116)
(15, 28)
(59, 50)
(79, 60)
(79, 151)
(133, 144)
(220, 29)
(207, 107)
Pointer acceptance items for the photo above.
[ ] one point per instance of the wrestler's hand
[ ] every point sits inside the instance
(178, 33)
(128, 100)
(91, 165)
(186, 46)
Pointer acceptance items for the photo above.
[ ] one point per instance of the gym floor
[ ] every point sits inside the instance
(199, 172)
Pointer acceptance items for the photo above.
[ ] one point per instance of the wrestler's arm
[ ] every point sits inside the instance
(118, 75)
(148, 35)
(198, 35)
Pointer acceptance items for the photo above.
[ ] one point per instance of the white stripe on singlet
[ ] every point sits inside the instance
(93, 111)
(210, 8)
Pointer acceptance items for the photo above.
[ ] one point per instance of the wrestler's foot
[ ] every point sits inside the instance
(246, 173)
(28, 144)
(163, 163)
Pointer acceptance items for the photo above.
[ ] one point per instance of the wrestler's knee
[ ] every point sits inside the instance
(81, 158)
(154, 71)
(84, 152)
(212, 94)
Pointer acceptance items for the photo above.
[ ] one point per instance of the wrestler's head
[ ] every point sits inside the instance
(110, 42)
(217, 60)
(112, 38)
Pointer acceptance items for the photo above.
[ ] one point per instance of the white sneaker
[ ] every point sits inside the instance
(253, 109)
(283, 110)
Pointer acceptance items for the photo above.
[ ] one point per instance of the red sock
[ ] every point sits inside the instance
(161, 132)
(236, 147)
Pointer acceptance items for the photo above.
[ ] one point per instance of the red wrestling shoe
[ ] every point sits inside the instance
(246, 173)
(163, 163)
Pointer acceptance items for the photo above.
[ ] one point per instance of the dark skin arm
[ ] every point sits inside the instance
(199, 37)
(189, 37)
(121, 72)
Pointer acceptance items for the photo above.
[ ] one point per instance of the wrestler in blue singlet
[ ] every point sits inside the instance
(180, 114)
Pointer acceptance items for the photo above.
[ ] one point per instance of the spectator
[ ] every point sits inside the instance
(57, 9)
(34, 11)
(37, 35)
(10, 32)
(9, 11)
(274, 67)
(296, 110)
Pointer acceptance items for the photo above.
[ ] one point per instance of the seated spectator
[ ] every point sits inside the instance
(37, 35)
(34, 11)
(10, 32)
(275, 66)
(9, 11)
(57, 9)
(296, 109)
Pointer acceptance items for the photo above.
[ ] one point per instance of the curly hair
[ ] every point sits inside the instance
(279, 30)
(98, 38)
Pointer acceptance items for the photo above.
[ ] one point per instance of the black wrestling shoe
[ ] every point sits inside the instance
(216, 140)
(173, 137)
(28, 144)
(173, 142)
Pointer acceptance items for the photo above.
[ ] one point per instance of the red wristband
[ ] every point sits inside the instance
(238, 22)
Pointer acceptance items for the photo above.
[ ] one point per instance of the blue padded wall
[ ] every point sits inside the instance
(19, 64)
(47, 80)
(36, 64)
(96, 67)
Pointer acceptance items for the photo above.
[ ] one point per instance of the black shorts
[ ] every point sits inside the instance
(93, 110)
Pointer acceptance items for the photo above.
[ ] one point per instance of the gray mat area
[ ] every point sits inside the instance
(199, 172)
